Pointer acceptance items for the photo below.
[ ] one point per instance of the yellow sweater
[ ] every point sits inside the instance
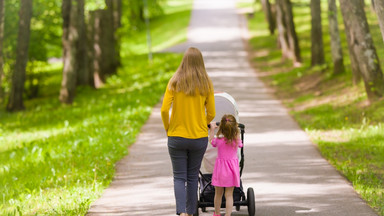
(190, 114)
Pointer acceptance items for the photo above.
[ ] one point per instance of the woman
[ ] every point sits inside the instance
(190, 93)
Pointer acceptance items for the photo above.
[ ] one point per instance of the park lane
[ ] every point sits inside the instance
(285, 169)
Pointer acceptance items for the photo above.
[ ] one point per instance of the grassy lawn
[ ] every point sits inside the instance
(348, 132)
(57, 159)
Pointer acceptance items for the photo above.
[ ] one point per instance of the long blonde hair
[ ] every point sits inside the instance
(229, 129)
(191, 76)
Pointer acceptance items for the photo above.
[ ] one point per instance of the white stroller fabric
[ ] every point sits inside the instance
(225, 104)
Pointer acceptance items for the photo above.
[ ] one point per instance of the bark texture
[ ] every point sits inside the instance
(287, 33)
(102, 53)
(15, 102)
(360, 40)
(83, 74)
(70, 41)
(2, 11)
(269, 15)
(379, 7)
(336, 50)
(317, 47)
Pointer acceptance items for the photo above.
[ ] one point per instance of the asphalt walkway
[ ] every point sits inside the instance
(285, 169)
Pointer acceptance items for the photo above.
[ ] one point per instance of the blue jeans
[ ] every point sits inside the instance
(186, 156)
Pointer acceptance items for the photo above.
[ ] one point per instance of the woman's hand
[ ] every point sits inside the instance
(212, 127)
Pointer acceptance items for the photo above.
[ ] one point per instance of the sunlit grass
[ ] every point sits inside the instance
(57, 159)
(333, 111)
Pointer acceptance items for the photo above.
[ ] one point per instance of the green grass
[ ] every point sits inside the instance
(334, 112)
(57, 159)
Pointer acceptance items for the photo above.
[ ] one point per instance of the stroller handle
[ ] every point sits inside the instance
(240, 125)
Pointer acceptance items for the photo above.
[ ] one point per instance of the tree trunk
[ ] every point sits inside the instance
(286, 28)
(373, 5)
(379, 7)
(336, 50)
(2, 12)
(317, 48)
(83, 74)
(362, 45)
(70, 41)
(15, 102)
(114, 8)
(102, 54)
(269, 16)
(282, 30)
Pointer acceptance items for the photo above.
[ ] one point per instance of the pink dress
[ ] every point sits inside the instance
(226, 172)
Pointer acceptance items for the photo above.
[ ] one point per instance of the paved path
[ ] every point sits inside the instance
(286, 171)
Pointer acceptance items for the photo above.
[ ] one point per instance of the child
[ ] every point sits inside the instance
(226, 172)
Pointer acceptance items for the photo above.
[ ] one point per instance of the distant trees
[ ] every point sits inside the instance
(63, 29)
(15, 102)
(362, 52)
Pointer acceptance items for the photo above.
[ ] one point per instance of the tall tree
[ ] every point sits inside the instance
(269, 15)
(15, 101)
(362, 47)
(317, 47)
(114, 9)
(287, 32)
(70, 40)
(101, 39)
(83, 73)
(2, 11)
(336, 50)
(379, 7)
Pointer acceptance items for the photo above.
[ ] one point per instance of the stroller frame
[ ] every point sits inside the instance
(239, 199)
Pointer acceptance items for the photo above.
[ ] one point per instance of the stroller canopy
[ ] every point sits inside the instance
(225, 104)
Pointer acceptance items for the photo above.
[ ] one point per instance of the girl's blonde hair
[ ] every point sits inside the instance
(228, 128)
(191, 76)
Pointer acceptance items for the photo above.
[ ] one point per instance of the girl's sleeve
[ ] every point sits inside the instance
(239, 142)
(214, 142)
(167, 102)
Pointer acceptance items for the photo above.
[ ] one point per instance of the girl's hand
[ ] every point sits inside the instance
(213, 126)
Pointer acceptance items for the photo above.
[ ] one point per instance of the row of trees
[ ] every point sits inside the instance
(365, 64)
(84, 33)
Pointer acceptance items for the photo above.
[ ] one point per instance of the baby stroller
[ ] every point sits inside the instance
(225, 104)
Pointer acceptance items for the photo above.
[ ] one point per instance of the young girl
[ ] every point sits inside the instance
(226, 173)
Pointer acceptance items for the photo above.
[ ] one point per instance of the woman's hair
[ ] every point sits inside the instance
(228, 128)
(191, 76)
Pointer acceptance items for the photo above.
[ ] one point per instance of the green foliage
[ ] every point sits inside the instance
(329, 108)
(55, 157)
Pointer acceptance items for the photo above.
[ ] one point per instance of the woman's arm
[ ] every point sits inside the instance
(167, 102)
(210, 107)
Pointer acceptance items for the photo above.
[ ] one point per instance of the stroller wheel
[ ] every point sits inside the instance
(237, 208)
(251, 202)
